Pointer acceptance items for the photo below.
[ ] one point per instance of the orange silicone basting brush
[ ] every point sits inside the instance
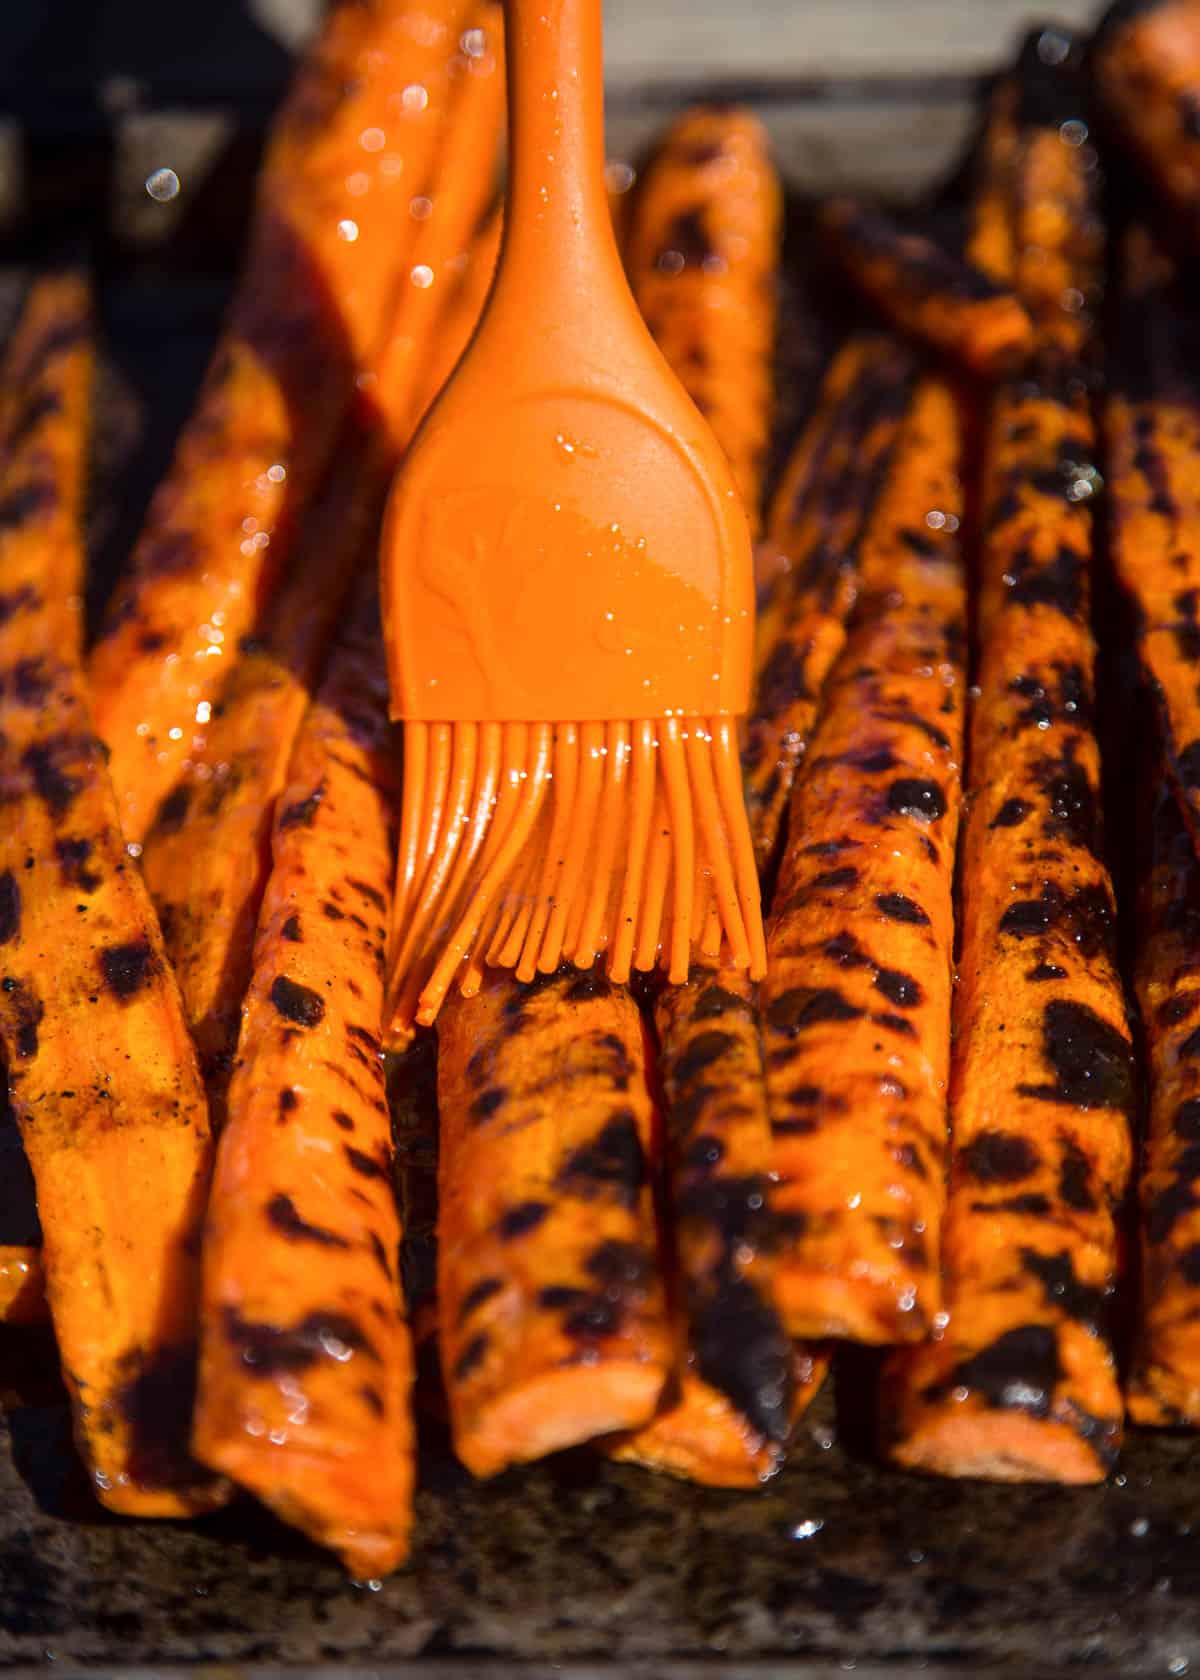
(566, 584)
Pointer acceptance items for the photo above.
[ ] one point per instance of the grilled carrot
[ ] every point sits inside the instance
(205, 858)
(856, 1005)
(1021, 1382)
(1164, 1387)
(702, 248)
(102, 1075)
(927, 292)
(359, 130)
(816, 520)
(1152, 427)
(305, 1358)
(741, 1386)
(1146, 67)
(553, 1324)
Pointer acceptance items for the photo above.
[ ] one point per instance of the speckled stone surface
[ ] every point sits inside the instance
(579, 1561)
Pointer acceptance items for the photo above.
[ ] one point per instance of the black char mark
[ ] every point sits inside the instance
(613, 1163)
(127, 969)
(272, 1350)
(297, 1003)
(10, 908)
(283, 1215)
(999, 1158)
(1092, 1061)
(804, 1006)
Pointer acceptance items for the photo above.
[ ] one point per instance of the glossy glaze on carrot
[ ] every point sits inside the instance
(927, 292)
(816, 521)
(856, 1005)
(1021, 1383)
(305, 1357)
(702, 249)
(1152, 430)
(102, 1075)
(1164, 1384)
(323, 267)
(1146, 69)
(553, 1322)
(206, 856)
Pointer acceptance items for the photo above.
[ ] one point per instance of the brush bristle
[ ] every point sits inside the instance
(525, 846)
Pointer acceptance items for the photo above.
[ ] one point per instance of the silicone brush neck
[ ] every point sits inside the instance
(558, 239)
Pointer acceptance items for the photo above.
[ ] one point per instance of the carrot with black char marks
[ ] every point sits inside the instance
(1164, 1385)
(1146, 69)
(102, 1075)
(1152, 429)
(1021, 1383)
(816, 521)
(740, 1384)
(553, 1323)
(702, 250)
(306, 1363)
(322, 272)
(205, 858)
(856, 1004)
(926, 291)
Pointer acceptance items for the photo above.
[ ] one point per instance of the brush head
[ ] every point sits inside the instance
(566, 547)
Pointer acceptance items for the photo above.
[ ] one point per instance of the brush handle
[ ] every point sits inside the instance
(558, 240)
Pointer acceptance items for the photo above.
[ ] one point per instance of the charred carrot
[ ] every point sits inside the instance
(553, 1323)
(353, 143)
(1164, 1386)
(928, 292)
(305, 1358)
(856, 1005)
(102, 1075)
(702, 249)
(1146, 67)
(1021, 1383)
(1152, 428)
(816, 520)
(741, 1385)
(205, 858)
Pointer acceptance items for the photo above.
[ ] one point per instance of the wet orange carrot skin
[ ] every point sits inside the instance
(102, 1076)
(321, 272)
(856, 1006)
(989, 245)
(816, 522)
(305, 1359)
(554, 1326)
(1164, 1386)
(702, 250)
(950, 305)
(1146, 68)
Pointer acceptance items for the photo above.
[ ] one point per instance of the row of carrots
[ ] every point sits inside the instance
(655, 1212)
